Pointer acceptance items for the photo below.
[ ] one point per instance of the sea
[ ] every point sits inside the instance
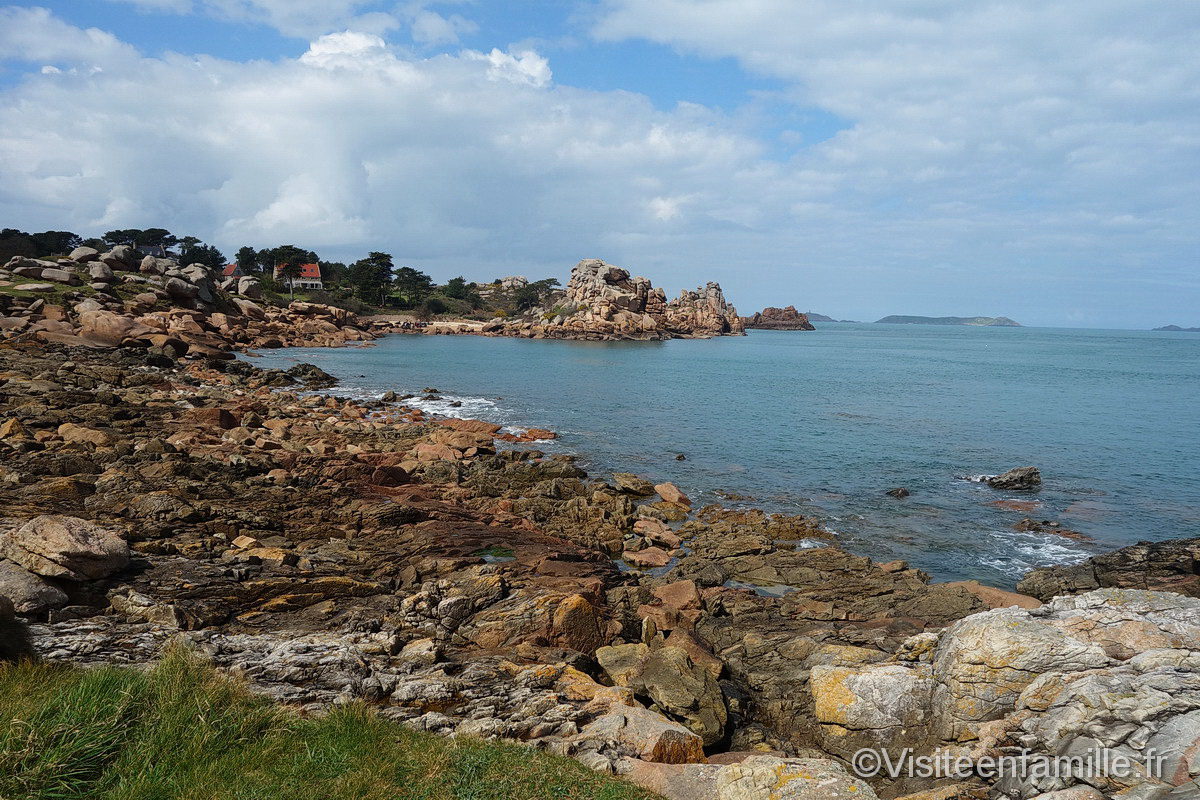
(824, 423)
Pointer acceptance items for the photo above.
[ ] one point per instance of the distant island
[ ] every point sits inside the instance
(815, 317)
(993, 322)
(1167, 328)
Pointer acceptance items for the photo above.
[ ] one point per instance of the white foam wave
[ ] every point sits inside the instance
(357, 393)
(808, 544)
(1015, 553)
(462, 406)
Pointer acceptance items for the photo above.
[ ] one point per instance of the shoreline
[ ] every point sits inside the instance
(739, 503)
(329, 549)
(739, 497)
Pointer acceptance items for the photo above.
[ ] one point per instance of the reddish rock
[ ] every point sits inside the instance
(681, 594)
(389, 476)
(468, 425)
(996, 598)
(657, 531)
(649, 558)
(214, 418)
(78, 434)
(671, 494)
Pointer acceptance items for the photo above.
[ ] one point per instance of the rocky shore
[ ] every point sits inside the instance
(604, 303)
(117, 298)
(778, 319)
(154, 488)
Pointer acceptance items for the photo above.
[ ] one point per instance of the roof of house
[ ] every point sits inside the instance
(309, 272)
(230, 270)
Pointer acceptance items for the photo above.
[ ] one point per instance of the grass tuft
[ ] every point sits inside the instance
(180, 730)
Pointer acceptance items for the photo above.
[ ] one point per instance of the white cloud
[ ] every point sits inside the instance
(312, 18)
(525, 66)
(303, 18)
(348, 49)
(34, 35)
(431, 28)
(1046, 138)
(470, 163)
(1041, 158)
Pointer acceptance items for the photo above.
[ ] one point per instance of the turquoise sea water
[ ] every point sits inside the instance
(825, 422)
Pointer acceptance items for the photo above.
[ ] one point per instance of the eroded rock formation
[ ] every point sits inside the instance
(156, 304)
(602, 301)
(779, 319)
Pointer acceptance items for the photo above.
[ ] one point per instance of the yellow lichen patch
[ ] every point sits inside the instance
(831, 695)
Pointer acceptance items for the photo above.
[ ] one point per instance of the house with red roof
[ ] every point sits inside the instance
(232, 271)
(310, 277)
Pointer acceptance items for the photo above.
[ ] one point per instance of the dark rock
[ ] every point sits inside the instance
(312, 375)
(1021, 478)
(15, 644)
(1171, 566)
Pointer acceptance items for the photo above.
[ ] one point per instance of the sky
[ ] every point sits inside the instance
(1037, 159)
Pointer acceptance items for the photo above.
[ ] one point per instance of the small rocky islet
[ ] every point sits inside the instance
(779, 319)
(602, 302)
(460, 580)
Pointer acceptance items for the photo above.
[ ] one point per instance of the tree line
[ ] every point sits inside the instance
(189, 249)
(373, 280)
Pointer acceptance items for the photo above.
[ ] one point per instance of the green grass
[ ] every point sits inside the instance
(52, 295)
(180, 730)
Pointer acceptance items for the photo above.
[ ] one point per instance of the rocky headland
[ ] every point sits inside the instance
(602, 302)
(778, 319)
(118, 298)
(1177, 328)
(154, 488)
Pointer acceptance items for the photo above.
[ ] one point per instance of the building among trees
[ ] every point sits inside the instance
(308, 276)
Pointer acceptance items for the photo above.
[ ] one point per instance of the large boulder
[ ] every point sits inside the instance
(29, 593)
(772, 778)
(1111, 673)
(633, 484)
(110, 328)
(65, 547)
(82, 255)
(640, 733)
(122, 257)
(156, 266)
(1145, 706)
(871, 705)
(1021, 478)
(249, 309)
(180, 289)
(683, 689)
(81, 434)
(249, 287)
(101, 273)
(984, 662)
(61, 276)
